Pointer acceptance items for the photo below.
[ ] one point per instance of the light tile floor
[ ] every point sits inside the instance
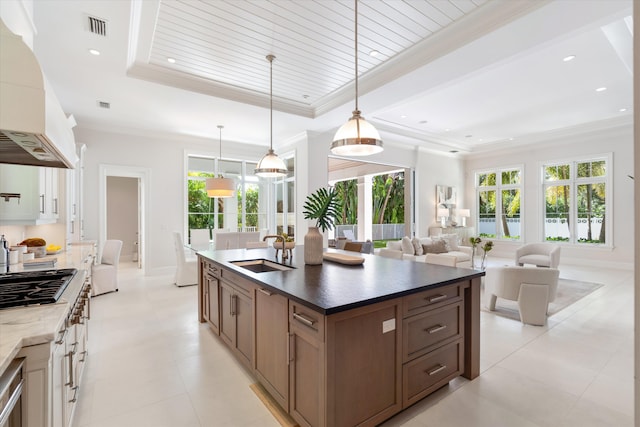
(152, 364)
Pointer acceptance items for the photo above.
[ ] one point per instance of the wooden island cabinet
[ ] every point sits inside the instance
(338, 345)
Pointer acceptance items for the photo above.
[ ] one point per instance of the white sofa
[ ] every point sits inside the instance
(413, 249)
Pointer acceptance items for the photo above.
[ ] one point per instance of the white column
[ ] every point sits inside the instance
(365, 207)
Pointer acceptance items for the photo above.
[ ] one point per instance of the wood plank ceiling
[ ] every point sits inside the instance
(226, 41)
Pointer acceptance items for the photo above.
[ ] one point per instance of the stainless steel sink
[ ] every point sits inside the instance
(261, 265)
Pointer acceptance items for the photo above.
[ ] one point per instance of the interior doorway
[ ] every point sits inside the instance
(123, 215)
(123, 201)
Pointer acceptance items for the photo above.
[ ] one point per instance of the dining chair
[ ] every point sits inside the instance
(104, 276)
(353, 247)
(441, 259)
(186, 268)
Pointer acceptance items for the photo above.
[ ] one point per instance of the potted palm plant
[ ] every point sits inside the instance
(323, 206)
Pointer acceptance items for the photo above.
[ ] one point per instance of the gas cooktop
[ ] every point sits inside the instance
(33, 287)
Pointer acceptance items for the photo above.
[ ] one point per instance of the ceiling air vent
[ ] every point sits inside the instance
(103, 104)
(97, 26)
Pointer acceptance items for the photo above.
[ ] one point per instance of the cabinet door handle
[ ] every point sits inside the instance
(438, 369)
(303, 319)
(437, 328)
(75, 394)
(42, 203)
(266, 292)
(70, 383)
(55, 205)
(437, 298)
(62, 334)
(288, 348)
(233, 305)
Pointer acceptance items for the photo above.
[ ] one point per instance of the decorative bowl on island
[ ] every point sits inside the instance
(287, 245)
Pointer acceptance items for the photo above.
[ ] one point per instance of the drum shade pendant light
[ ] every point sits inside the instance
(271, 166)
(220, 186)
(357, 137)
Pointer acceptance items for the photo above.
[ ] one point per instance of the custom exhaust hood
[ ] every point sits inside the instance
(33, 128)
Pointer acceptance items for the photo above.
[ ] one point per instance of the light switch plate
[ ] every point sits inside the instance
(388, 325)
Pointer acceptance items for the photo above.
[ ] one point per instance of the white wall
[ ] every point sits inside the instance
(432, 170)
(618, 141)
(163, 157)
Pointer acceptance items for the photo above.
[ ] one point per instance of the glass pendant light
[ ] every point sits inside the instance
(220, 186)
(357, 137)
(271, 166)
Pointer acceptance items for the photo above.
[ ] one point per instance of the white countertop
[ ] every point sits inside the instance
(25, 326)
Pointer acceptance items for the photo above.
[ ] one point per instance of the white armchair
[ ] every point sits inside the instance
(532, 288)
(104, 276)
(187, 268)
(539, 254)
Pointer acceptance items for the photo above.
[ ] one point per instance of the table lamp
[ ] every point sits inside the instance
(443, 213)
(464, 213)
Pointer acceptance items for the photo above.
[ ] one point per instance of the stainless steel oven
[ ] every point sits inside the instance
(11, 383)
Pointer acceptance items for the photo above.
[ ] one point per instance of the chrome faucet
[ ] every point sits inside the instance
(278, 237)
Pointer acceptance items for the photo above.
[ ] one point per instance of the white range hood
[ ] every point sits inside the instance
(33, 128)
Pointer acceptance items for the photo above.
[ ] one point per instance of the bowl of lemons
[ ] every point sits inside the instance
(53, 249)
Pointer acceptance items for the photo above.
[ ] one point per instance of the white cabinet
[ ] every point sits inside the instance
(29, 195)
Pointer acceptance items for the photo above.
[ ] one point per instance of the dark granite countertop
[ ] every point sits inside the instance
(332, 287)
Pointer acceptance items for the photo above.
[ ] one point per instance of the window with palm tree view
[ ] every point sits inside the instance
(499, 193)
(246, 211)
(575, 197)
(387, 210)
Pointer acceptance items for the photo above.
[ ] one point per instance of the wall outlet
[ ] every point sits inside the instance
(388, 325)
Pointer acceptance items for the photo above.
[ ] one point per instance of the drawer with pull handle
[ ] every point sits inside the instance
(431, 298)
(431, 329)
(306, 319)
(426, 374)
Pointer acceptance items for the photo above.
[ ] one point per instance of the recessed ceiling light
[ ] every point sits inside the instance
(422, 122)
(374, 53)
(404, 116)
(453, 151)
(569, 58)
(480, 140)
(305, 96)
(601, 89)
(468, 136)
(511, 139)
(447, 130)
(622, 110)
(171, 60)
(94, 52)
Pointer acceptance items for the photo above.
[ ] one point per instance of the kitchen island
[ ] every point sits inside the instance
(344, 345)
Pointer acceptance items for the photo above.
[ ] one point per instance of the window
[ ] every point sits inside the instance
(575, 200)
(498, 195)
(285, 190)
(247, 211)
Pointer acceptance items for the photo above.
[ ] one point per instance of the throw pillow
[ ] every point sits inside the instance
(407, 246)
(445, 242)
(452, 241)
(417, 247)
(437, 247)
(395, 245)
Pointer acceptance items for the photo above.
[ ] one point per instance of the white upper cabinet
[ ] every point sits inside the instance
(29, 195)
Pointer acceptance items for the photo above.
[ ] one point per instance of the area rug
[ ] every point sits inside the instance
(569, 291)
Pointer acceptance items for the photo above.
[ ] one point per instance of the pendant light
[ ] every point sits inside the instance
(220, 186)
(357, 137)
(271, 166)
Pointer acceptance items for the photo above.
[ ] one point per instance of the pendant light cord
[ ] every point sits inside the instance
(220, 148)
(271, 58)
(356, 55)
